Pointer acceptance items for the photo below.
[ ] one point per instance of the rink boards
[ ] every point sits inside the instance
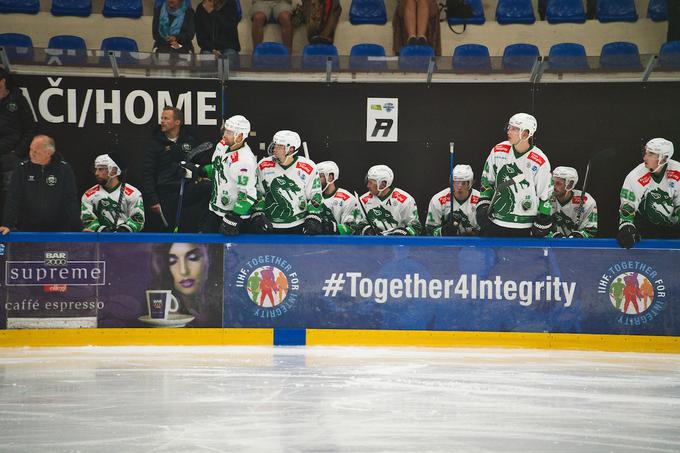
(78, 289)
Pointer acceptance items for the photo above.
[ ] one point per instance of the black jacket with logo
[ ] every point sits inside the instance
(162, 172)
(43, 198)
(17, 129)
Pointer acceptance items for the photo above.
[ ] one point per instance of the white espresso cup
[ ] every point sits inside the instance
(161, 303)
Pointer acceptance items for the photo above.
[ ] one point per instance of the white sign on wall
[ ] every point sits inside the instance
(382, 119)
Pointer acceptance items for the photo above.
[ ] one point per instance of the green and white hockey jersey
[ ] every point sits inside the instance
(98, 208)
(440, 208)
(288, 194)
(517, 205)
(565, 216)
(656, 197)
(397, 209)
(341, 206)
(234, 178)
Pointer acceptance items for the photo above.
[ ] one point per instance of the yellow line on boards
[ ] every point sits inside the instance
(621, 343)
(130, 337)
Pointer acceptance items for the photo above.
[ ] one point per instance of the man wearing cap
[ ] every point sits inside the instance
(112, 205)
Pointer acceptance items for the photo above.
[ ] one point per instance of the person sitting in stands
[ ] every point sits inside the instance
(416, 22)
(173, 27)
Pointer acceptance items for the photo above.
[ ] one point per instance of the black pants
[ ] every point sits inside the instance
(648, 230)
(194, 209)
(213, 221)
(493, 230)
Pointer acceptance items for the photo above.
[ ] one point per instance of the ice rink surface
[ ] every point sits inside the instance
(327, 399)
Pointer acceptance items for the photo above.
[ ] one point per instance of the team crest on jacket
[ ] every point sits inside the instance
(12, 107)
(51, 180)
(269, 286)
(635, 290)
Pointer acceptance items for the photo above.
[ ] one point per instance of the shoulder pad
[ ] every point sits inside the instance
(267, 163)
(305, 167)
(536, 158)
(92, 190)
(502, 148)
(445, 199)
(341, 195)
(401, 198)
(474, 199)
(673, 174)
(644, 180)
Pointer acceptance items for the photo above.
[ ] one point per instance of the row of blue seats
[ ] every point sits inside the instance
(466, 57)
(373, 11)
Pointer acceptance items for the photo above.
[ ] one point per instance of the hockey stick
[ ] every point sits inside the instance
(195, 152)
(120, 202)
(363, 209)
(304, 148)
(579, 213)
(451, 162)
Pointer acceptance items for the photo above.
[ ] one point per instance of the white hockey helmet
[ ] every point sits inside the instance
(569, 174)
(380, 173)
(105, 160)
(524, 122)
(661, 147)
(238, 124)
(328, 167)
(287, 139)
(463, 173)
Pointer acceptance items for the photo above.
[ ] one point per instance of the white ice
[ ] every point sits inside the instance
(328, 399)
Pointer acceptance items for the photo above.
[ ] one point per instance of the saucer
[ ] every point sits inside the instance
(174, 320)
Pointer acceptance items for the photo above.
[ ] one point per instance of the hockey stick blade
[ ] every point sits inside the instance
(198, 150)
(452, 161)
(363, 209)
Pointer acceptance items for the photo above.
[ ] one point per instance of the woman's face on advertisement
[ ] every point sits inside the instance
(187, 264)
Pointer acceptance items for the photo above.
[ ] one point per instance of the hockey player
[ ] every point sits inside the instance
(572, 216)
(516, 185)
(111, 205)
(391, 211)
(232, 171)
(463, 222)
(340, 211)
(650, 196)
(289, 189)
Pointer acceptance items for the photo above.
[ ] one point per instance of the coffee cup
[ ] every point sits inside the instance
(161, 303)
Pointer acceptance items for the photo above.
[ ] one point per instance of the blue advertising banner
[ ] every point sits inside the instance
(450, 287)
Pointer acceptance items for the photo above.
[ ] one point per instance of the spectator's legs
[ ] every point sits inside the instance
(591, 9)
(286, 30)
(259, 21)
(673, 20)
(328, 31)
(423, 15)
(410, 20)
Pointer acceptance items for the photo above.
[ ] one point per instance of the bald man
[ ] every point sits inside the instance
(42, 192)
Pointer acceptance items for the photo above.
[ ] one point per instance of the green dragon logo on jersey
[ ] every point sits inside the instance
(279, 199)
(657, 207)
(382, 216)
(504, 203)
(564, 221)
(106, 210)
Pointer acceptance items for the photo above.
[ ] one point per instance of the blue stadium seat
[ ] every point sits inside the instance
(68, 42)
(616, 11)
(359, 57)
(477, 18)
(415, 58)
(520, 57)
(669, 55)
(314, 56)
(620, 56)
(367, 12)
(471, 58)
(17, 46)
(658, 10)
(515, 12)
(271, 55)
(119, 43)
(81, 8)
(20, 6)
(567, 57)
(565, 11)
(122, 8)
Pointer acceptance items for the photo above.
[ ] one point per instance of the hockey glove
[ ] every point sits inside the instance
(397, 232)
(541, 226)
(482, 214)
(230, 224)
(103, 229)
(367, 230)
(576, 234)
(329, 226)
(123, 229)
(627, 236)
(556, 235)
(260, 223)
(193, 171)
(312, 225)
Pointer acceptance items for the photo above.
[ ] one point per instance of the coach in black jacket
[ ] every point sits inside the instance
(42, 192)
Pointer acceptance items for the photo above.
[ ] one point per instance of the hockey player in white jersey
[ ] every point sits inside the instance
(340, 210)
(112, 205)
(574, 214)
(232, 171)
(516, 185)
(391, 211)
(650, 196)
(289, 189)
(463, 222)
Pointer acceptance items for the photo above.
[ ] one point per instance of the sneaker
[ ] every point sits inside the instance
(412, 41)
(421, 41)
